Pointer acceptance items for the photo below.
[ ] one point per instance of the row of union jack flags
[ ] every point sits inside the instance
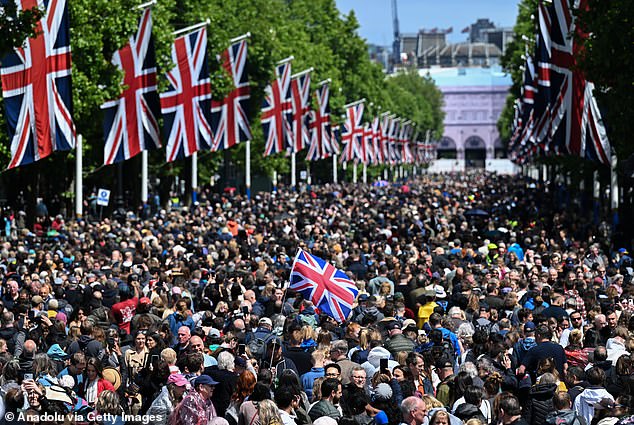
(557, 113)
(289, 125)
(36, 88)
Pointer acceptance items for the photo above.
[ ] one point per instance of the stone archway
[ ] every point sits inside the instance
(499, 149)
(446, 149)
(474, 152)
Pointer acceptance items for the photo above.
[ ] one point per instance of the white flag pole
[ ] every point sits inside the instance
(144, 178)
(365, 173)
(354, 173)
(192, 27)
(293, 170)
(79, 178)
(194, 177)
(247, 168)
(614, 190)
(334, 168)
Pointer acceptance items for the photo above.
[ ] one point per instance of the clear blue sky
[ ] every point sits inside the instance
(375, 16)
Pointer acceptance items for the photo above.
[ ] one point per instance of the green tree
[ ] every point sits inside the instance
(607, 31)
(16, 26)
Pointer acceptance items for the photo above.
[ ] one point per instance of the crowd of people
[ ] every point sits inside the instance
(479, 303)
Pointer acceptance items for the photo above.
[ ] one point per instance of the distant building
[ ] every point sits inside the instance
(477, 30)
(474, 98)
(460, 54)
(501, 37)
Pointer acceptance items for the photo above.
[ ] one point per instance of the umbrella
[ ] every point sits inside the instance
(380, 183)
(476, 212)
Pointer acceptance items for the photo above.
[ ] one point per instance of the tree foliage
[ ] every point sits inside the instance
(16, 26)
(606, 59)
(313, 31)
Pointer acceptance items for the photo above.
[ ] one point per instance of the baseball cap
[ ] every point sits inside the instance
(409, 322)
(529, 327)
(623, 251)
(393, 325)
(178, 379)
(265, 321)
(443, 363)
(204, 380)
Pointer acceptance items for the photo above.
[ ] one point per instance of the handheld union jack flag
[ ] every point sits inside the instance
(327, 287)
(131, 124)
(36, 88)
(185, 105)
(353, 135)
(230, 118)
(276, 111)
(300, 99)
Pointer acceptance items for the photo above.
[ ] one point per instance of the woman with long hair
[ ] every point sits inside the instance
(575, 354)
(249, 408)
(268, 413)
(244, 387)
(94, 382)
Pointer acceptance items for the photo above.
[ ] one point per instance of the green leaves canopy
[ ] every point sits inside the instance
(313, 31)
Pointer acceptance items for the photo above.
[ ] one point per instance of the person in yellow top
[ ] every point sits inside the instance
(427, 309)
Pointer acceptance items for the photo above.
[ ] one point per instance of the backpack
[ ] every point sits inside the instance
(257, 345)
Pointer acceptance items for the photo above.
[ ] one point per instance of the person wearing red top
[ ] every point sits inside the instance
(123, 311)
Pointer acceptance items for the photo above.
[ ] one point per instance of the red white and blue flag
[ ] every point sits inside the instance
(576, 121)
(327, 287)
(276, 112)
(36, 87)
(320, 133)
(300, 99)
(131, 122)
(377, 141)
(186, 104)
(353, 134)
(230, 118)
(367, 147)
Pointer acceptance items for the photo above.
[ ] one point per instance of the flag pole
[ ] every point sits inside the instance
(79, 178)
(192, 27)
(326, 81)
(146, 4)
(309, 180)
(614, 190)
(306, 71)
(365, 173)
(247, 168)
(334, 168)
(354, 103)
(194, 177)
(144, 178)
(274, 180)
(293, 170)
(354, 172)
(240, 38)
(288, 59)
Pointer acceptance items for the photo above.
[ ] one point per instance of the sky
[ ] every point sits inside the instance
(375, 16)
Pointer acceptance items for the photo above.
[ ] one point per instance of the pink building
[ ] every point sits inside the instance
(474, 98)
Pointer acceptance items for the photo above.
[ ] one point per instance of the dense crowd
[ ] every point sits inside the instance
(479, 303)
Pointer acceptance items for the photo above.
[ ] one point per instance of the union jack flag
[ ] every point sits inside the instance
(385, 139)
(131, 124)
(320, 138)
(327, 287)
(576, 121)
(230, 118)
(36, 88)
(335, 138)
(185, 106)
(377, 141)
(276, 111)
(367, 148)
(300, 99)
(352, 138)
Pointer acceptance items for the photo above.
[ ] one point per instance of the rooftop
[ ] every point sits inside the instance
(466, 77)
